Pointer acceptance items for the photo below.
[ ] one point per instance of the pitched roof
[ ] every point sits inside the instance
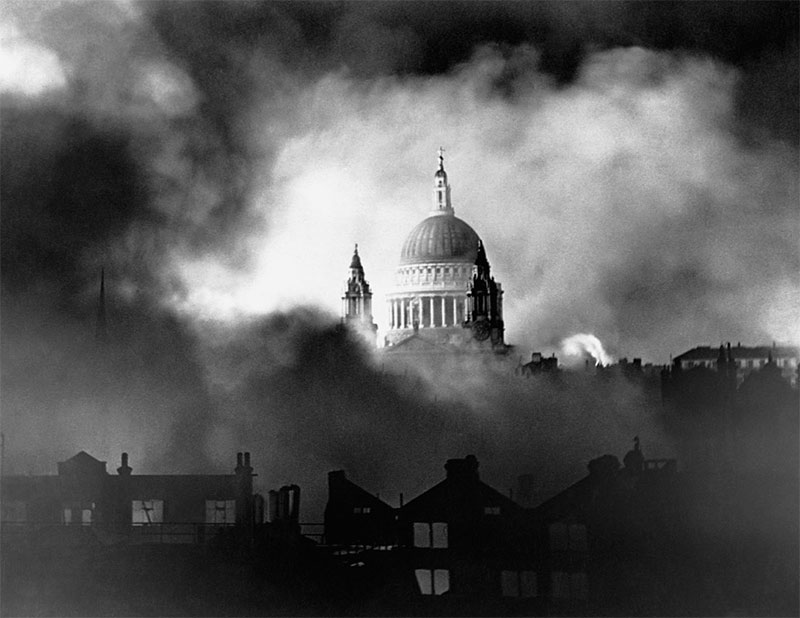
(82, 458)
(444, 493)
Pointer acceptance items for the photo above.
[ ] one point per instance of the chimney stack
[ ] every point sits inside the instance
(124, 469)
(462, 469)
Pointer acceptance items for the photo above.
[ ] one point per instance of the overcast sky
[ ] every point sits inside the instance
(632, 168)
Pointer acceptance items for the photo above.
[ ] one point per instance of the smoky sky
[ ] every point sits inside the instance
(631, 167)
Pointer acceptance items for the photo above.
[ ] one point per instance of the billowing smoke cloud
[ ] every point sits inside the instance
(584, 345)
(622, 204)
(221, 160)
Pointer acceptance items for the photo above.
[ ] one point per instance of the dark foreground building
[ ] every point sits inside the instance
(88, 543)
(128, 508)
(631, 538)
(637, 537)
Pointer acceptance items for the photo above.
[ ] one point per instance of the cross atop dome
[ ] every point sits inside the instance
(441, 158)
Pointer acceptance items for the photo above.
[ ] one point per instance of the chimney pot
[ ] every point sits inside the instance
(247, 459)
(124, 469)
(466, 468)
(238, 460)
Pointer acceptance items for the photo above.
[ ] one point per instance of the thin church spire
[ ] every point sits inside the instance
(102, 325)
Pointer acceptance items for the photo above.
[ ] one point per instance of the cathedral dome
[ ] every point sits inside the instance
(440, 238)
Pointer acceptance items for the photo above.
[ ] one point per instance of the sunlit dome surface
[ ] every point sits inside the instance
(440, 238)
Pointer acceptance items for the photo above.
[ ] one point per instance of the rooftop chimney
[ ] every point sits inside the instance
(124, 469)
(463, 469)
(335, 478)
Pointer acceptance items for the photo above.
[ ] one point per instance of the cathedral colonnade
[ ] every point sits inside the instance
(430, 310)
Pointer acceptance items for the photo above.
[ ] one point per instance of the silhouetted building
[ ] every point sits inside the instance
(745, 358)
(127, 507)
(592, 534)
(538, 364)
(459, 547)
(468, 540)
(356, 518)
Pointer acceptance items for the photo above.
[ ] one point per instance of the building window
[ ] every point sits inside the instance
(147, 512)
(430, 535)
(750, 364)
(491, 510)
(518, 583)
(78, 514)
(569, 585)
(565, 537)
(221, 512)
(433, 581)
(362, 510)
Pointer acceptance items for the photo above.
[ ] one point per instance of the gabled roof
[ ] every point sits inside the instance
(461, 489)
(83, 458)
(82, 463)
(343, 492)
(443, 493)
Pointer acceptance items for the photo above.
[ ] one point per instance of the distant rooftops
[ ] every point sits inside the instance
(739, 352)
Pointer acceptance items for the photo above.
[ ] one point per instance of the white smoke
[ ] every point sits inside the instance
(584, 343)
(665, 189)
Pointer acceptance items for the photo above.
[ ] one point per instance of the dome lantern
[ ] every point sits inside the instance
(441, 190)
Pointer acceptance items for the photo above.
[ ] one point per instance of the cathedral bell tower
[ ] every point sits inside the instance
(484, 302)
(357, 301)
